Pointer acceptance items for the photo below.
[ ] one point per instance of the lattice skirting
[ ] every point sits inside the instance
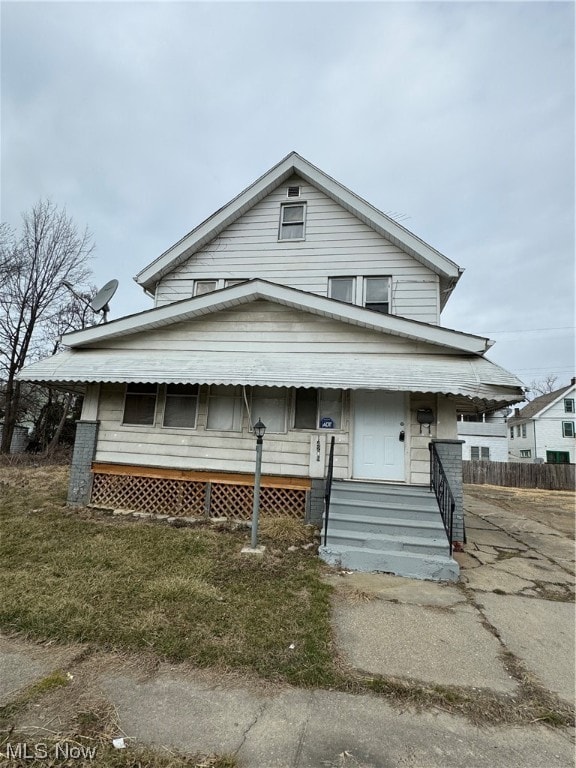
(194, 498)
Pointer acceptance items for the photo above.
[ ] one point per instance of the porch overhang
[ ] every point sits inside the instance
(466, 376)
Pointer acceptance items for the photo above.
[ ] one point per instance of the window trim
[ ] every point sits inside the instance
(365, 281)
(125, 423)
(564, 425)
(284, 206)
(353, 279)
(205, 280)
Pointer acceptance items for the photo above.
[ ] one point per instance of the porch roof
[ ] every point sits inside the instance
(471, 377)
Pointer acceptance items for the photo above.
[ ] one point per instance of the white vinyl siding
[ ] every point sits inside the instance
(337, 244)
(264, 326)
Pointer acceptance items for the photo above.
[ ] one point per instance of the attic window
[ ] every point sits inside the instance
(293, 192)
(292, 218)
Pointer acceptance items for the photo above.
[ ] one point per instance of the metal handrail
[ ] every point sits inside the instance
(444, 496)
(328, 488)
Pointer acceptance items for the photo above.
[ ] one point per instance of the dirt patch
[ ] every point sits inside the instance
(553, 508)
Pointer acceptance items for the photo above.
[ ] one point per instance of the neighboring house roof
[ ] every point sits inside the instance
(457, 368)
(536, 407)
(253, 290)
(293, 163)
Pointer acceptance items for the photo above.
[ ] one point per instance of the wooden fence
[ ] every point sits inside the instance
(551, 477)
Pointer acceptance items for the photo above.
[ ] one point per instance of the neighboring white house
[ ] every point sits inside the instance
(300, 304)
(544, 430)
(485, 436)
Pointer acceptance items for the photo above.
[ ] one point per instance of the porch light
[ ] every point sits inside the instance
(259, 430)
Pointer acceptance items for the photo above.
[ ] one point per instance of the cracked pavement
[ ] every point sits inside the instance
(515, 596)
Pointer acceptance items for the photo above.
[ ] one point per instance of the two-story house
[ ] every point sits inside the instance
(544, 430)
(300, 305)
(484, 435)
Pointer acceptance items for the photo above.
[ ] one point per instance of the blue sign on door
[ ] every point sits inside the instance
(326, 422)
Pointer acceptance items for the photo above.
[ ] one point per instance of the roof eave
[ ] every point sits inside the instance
(253, 290)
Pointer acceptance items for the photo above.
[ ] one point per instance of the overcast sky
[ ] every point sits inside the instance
(143, 118)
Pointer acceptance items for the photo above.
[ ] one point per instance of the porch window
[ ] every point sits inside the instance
(292, 221)
(567, 429)
(140, 404)
(313, 405)
(479, 453)
(269, 405)
(377, 294)
(181, 406)
(224, 408)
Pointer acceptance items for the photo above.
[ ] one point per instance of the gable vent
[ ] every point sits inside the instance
(293, 192)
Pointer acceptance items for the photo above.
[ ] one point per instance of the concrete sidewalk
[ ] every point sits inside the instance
(510, 620)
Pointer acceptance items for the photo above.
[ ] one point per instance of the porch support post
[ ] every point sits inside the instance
(80, 486)
(450, 453)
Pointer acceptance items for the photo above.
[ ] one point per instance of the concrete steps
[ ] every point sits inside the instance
(391, 528)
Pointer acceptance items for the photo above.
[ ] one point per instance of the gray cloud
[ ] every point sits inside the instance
(143, 118)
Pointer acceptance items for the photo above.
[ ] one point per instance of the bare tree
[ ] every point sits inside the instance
(50, 250)
(543, 386)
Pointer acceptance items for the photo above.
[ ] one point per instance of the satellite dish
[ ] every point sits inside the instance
(100, 302)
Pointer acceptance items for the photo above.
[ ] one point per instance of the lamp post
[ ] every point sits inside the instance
(259, 431)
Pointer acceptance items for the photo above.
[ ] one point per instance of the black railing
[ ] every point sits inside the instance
(441, 487)
(328, 488)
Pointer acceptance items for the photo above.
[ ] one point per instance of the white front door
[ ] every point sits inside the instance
(379, 426)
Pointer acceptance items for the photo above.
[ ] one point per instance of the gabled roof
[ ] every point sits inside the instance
(253, 290)
(293, 163)
(536, 407)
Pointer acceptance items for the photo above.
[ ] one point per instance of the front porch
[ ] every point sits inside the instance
(391, 528)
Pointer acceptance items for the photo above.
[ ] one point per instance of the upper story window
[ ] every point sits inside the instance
(292, 221)
(567, 429)
(204, 286)
(569, 405)
(523, 430)
(511, 433)
(140, 404)
(342, 288)
(377, 294)
(370, 292)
